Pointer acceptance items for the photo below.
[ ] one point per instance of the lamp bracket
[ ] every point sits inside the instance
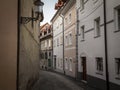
(25, 20)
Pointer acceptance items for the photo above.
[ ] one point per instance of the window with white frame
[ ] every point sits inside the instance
(66, 63)
(82, 33)
(70, 64)
(61, 63)
(81, 4)
(70, 38)
(66, 21)
(117, 18)
(97, 26)
(99, 64)
(66, 40)
(45, 43)
(117, 66)
(49, 42)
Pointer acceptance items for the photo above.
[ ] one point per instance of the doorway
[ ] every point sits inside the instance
(84, 69)
(54, 61)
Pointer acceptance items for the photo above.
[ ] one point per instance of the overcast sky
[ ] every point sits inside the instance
(48, 10)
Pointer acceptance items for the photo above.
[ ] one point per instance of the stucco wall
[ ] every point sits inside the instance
(29, 49)
(8, 44)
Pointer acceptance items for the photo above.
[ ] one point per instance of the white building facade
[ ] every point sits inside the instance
(57, 42)
(91, 43)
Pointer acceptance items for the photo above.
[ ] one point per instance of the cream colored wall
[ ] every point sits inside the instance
(8, 44)
(70, 50)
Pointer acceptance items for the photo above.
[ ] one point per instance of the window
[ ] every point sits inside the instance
(82, 33)
(117, 18)
(117, 65)
(70, 65)
(42, 55)
(49, 54)
(81, 4)
(61, 63)
(66, 40)
(49, 43)
(45, 43)
(66, 63)
(70, 38)
(65, 21)
(46, 55)
(97, 27)
(99, 64)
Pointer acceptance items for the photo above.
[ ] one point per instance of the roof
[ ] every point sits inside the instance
(45, 27)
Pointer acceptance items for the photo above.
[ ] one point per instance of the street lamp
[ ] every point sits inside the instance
(38, 9)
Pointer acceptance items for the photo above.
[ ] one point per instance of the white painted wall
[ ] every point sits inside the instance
(113, 40)
(91, 47)
(58, 50)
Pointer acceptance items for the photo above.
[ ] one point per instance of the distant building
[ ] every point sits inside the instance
(57, 24)
(46, 47)
(69, 13)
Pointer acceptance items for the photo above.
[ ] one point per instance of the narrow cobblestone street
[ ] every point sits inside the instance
(53, 81)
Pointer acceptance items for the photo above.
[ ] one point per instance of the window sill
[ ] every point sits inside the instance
(117, 31)
(82, 40)
(99, 73)
(118, 78)
(97, 36)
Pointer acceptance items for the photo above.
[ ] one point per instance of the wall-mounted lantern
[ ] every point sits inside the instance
(37, 10)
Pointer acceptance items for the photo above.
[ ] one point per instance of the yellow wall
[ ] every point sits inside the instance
(8, 44)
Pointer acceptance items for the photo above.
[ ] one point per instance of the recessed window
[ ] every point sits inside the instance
(46, 56)
(97, 27)
(66, 40)
(117, 18)
(117, 65)
(82, 33)
(99, 65)
(70, 65)
(66, 63)
(66, 21)
(70, 38)
(70, 17)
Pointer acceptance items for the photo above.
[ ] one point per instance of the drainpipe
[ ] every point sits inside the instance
(106, 48)
(18, 43)
(63, 43)
(77, 29)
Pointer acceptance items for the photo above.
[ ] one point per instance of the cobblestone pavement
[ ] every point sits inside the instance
(54, 81)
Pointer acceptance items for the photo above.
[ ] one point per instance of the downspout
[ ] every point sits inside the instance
(77, 29)
(52, 47)
(63, 43)
(18, 43)
(106, 48)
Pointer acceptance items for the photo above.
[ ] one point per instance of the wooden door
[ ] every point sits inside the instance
(84, 69)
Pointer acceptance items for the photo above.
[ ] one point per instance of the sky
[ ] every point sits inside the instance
(48, 10)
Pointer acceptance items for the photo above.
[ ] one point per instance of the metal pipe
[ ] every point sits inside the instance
(63, 43)
(106, 48)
